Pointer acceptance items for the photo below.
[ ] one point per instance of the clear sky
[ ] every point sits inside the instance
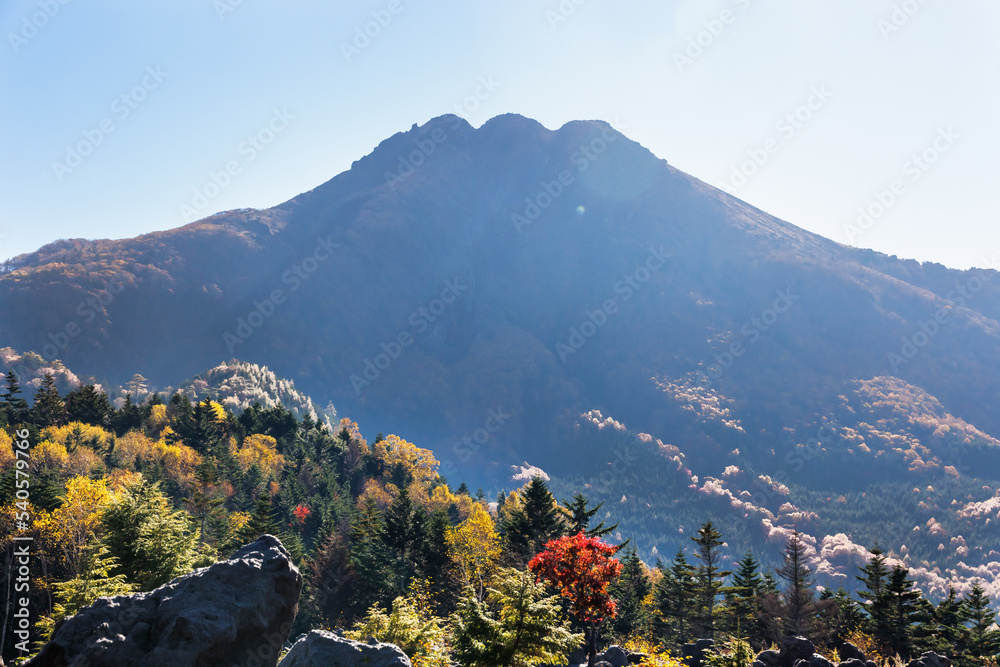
(807, 110)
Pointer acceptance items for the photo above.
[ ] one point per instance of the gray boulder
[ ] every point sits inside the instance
(236, 612)
(851, 662)
(602, 663)
(616, 655)
(815, 660)
(769, 658)
(849, 651)
(929, 659)
(794, 649)
(578, 656)
(320, 648)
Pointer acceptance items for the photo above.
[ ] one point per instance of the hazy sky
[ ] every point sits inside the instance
(115, 113)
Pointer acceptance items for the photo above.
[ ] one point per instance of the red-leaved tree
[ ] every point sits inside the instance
(581, 568)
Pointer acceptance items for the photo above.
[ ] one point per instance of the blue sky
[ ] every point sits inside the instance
(810, 111)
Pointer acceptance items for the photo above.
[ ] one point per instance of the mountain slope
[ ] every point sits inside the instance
(455, 271)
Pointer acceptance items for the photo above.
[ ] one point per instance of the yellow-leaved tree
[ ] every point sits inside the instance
(72, 524)
(259, 449)
(403, 458)
(474, 546)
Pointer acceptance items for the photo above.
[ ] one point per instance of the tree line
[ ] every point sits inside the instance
(123, 499)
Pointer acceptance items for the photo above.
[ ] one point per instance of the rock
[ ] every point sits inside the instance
(320, 648)
(235, 612)
(849, 651)
(694, 653)
(616, 655)
(794, 649)
(769, 658)
(852, 662)
(929, 659)
(819, 661)
(757, 663)
(578, 656)
(870, 663)
(602, 663)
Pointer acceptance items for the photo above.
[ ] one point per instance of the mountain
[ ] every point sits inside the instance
(567, 302)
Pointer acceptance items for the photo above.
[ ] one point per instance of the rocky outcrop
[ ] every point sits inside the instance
(237, 612)
(320, 648)
(695, 653)
(616, 656)
(929, 659)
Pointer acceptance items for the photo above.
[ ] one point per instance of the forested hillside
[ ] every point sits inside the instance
(124, 499)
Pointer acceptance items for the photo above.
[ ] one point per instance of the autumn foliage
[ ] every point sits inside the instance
(581, 568)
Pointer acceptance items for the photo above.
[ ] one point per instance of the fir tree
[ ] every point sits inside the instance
(674, 597)
(982, 641)
(15, 408)
(903, 611)
(709, 576)
(631, 589)
(531, 526)
(798, 596)
(49, 409)
(743, 600)
(875, 579)
(578, 517)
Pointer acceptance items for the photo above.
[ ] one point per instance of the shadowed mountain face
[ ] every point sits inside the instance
(477, 290)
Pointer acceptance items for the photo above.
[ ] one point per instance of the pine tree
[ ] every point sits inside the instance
(840, 616)
(578, 517)
(875, 579)
(631, 589)
(709, 576)
(674, 598)
(982, 641)
(15, 409)
(903, 614)
(152, 542)
(87, 405)
(526, 627)
(530, 527)
(947, 625)
(405, 531)
(743, 600)
(94, 581)
(798, 596)
(49, 409)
